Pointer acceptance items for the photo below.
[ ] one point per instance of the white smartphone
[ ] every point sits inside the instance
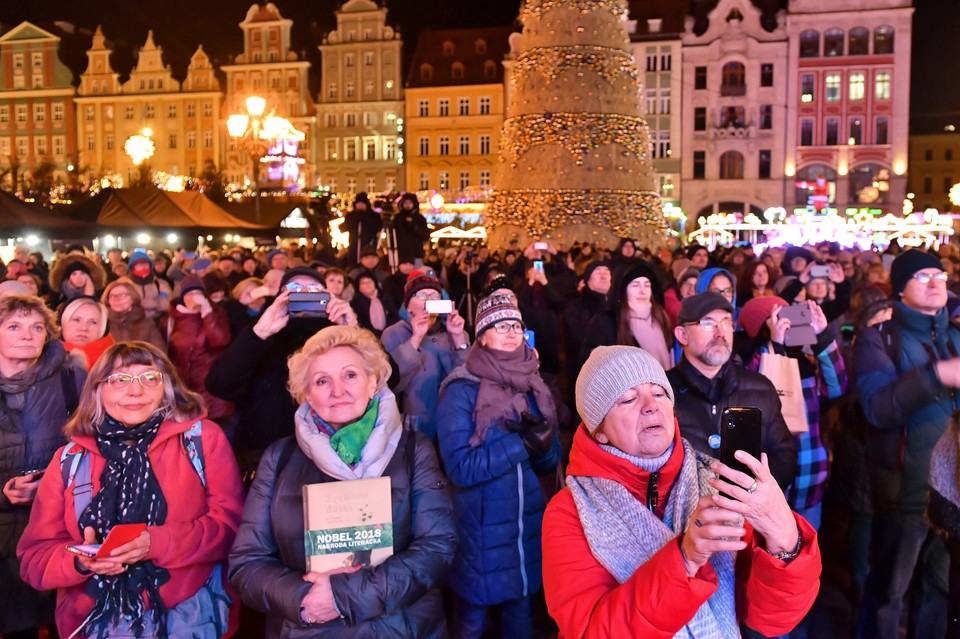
(540, 246)
(439, 307)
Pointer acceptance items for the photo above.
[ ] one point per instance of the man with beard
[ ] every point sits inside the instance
(252, 371)
(705, 382)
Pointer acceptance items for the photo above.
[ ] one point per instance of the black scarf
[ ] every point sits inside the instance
(505, 380)
(129, 494)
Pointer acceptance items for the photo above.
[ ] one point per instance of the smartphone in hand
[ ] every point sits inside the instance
(119, 535)
(740, 430)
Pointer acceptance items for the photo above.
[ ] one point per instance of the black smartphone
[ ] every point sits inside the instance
(308, 304)
(34, 474)
(740, 430)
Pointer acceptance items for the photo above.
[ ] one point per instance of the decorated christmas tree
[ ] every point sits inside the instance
(574, 152)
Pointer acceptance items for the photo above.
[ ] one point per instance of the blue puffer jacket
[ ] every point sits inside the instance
(905, 402)
(497, 500)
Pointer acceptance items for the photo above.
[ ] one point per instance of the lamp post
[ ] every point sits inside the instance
(140, 148)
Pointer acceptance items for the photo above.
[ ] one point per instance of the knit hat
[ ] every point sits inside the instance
(418, 280)
(608, 373)
(690, 272)
(191, 283)
(693, 308)
(693, 249)
(755, 312)
(368, 251)
(74, 267)
(137, 255)
(792, 253)
(637, 270)
(906, 265)
(500, 281)
(291, 273)
(271, 255)
(496, 308)
(592, 266)
(679, 266)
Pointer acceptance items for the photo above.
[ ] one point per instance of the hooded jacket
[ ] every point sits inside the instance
(196, 342)
(134, 326)
(411, 229)
(200, 527)
(587, 602)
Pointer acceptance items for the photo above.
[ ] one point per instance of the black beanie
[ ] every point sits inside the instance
(291, 273)
(906, 265)
(693, 249)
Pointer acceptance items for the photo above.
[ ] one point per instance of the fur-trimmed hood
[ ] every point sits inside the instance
(62, 266)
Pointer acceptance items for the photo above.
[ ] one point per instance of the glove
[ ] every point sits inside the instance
(535, 432)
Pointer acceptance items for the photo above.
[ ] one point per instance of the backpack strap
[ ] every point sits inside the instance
(75, 468)
(193, 446)
(69, 385)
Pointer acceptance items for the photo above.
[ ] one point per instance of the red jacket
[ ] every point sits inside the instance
(587, 602)
(195, 344)
(199, 531)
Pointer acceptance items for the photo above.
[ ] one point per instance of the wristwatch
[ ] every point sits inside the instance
(787, 556)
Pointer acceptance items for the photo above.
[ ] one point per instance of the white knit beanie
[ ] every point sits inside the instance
(608, 373)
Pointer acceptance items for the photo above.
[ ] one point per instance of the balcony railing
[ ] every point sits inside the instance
(733, 90)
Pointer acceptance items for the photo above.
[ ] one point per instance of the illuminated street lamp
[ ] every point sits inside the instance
(255, 131)
(140, 148)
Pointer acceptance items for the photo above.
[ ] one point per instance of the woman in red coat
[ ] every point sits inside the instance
(639, 543)
(198, 332)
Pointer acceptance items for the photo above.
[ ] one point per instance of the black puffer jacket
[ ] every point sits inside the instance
(31, 431)
(398, 598)
(700, 401)
(411, 228)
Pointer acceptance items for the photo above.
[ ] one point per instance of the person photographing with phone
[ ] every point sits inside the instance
(656, 551)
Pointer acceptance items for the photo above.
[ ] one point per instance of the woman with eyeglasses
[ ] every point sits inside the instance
(497, 428)
(126, 318)
(636, 318)
(39, 387)
(140, 445)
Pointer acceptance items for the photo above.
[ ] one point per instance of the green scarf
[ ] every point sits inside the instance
(348, 442)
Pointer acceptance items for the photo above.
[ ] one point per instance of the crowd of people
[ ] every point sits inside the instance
(552, 436)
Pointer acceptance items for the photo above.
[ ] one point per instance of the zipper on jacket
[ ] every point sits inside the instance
(653, 495)
(523, 561)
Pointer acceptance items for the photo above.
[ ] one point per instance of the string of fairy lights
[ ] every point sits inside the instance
(609, 63)
(534, 10)
(577, 133)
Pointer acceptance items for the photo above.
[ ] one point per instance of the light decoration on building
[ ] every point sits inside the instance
(954, 194)
(863, 230)
(140, 147)
(172, 183)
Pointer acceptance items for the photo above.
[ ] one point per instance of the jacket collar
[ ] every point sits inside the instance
(918, 322)
(720, 387)
(587, 459)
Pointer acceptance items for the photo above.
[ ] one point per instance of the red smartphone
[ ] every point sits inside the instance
(118, 536)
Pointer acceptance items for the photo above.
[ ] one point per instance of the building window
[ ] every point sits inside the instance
(859, 41)
(832, 87)
(833, 132)
(369, 118)
(444, 107)
(464, 145)
(191, 110)
(18, 61)
(37, 81)
(171, 110)
(856, 131)
(22, 113)
(4, 116)
(350, 148)
(833, 42)
(351, 119)
(426, 72)
(172, 141)
(928, 185)
(699, 165)
(484, 145)
(700, 118)
(371, 184)
(370, 151)
(664, 101)
(764, 164)
(807, 81)
(349, 60)
(651, 62)
(857, 85)
(444, 180)
(208, 139)
(424, 144)
(191, 140)
(700, 78)
(882, 85)
(91, 142)
(484, 106)
(58, 112)
(59, 145)
(928, 155)
(331, 120)
(882, 131)
(484, 179)
(348, 90)
(810, 44)
(89, 113)
(480, 47)
(806, 132)
(368, 87)
(731, 166)
(207, 109)
(128, 113)
(40, 147)
(883, 40)
(448, 48)
(444, 144)
(456, 71)
(389, 150)
(734, 79)
(650, 103)
(423, 108)
(766, 117)
(666, 61)
(464, 180)
(39, 113)
(463, 105)
(734, 117)
(766, 74)
(948, 155)
(148, 112)
(330, 150)
(661, 147)
(424, 181)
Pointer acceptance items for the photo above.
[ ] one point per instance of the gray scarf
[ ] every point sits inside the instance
(624, 534)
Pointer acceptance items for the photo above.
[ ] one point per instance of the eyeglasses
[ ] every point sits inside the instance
(723, 291)
(149, 379)
(300, 287)
(502, 328)
(924, 278)
(710, 325)
(424, 296)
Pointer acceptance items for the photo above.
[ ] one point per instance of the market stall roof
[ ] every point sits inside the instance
(149, 207)
(272, 211)
(17, 215)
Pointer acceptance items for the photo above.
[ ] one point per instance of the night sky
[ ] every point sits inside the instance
(180, 25)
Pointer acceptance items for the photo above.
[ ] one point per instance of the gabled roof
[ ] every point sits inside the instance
(672, 13)
(27, 31)
(444, 48)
